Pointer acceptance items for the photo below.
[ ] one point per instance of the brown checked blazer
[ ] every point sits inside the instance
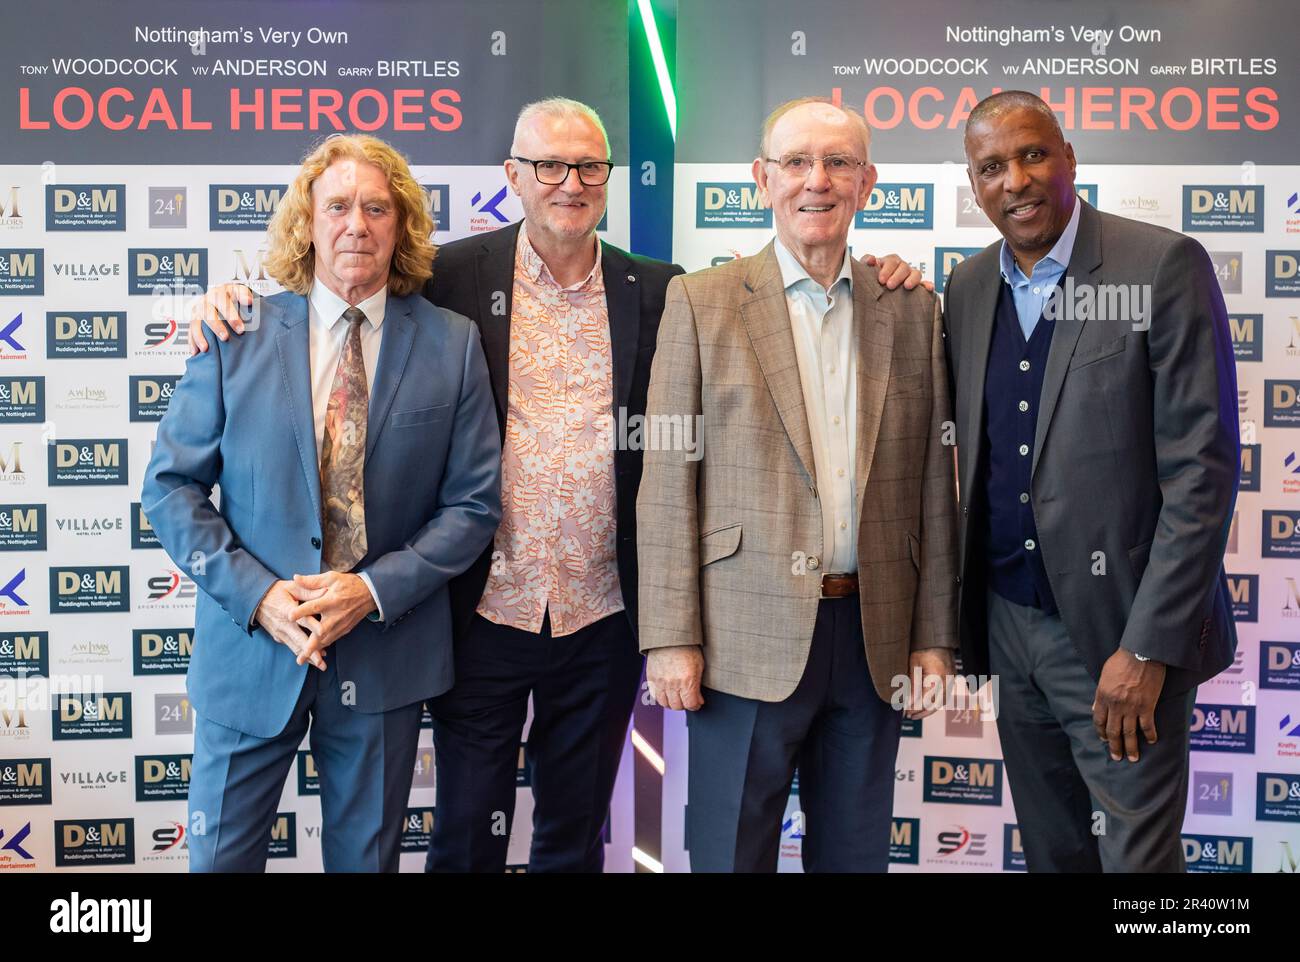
(730, 543)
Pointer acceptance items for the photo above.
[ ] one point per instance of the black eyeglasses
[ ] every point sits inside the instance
(593, 173)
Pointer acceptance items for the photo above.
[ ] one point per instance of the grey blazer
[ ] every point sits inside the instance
(1136, 454)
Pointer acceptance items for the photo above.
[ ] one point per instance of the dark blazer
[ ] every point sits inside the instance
(1136, 453)
(470, 276)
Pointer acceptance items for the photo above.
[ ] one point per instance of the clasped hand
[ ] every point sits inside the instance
(311, 612)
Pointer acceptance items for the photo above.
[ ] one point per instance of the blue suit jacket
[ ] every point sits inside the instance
(241, 418)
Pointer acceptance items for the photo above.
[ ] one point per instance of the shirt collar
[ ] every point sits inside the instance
(1059, 255)
(329, 306)
(530, 262)
(793, 273)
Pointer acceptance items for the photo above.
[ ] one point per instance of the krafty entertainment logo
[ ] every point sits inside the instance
(1223, 728)
(87, 461)
(1247, 332)
(898, 206)
(1215, 853)
(162, 778)
(1223, 209)
(25, 781)
(242, 206)
(161, 651)
(171, 269)
(1282, 273)
(22, 400)
(85, 334)
(79, 842)
(905, 840)
(22, 271)
(101, 588)
(962, 781)
(1281, 535)
(105, 715)
(728, 204)
(946, 258)
(1277, 797)
(1281, 409)
(23, 527)
(11, 348)
(1279, 665)
(150, 394)
(85, 207)
(1244, 592)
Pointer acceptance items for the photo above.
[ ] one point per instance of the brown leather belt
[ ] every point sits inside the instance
(839, 586)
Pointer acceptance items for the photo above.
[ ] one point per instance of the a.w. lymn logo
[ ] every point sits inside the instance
(242, 206)
(88, 207)
(730, 205)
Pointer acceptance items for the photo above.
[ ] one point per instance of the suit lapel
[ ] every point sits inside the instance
(495, 283)
(873, 333)
(767, 321)
(622, 300)
(977, 341)
(1084, 261)
(291, 342)
(394, 349)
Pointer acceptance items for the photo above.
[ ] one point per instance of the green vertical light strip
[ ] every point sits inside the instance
(661, 64)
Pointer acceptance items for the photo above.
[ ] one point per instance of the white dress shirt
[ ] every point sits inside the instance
(327, 336)
(824, 345)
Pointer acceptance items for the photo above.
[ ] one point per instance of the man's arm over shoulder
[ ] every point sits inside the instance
(186, 463)
(469, 496)
(1197, 456)
(667, 512)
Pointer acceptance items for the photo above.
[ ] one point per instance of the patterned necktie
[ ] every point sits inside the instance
(343, 456)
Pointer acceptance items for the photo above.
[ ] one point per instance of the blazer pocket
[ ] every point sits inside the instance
(1138, 558)
(914, 548)
(406, 419)
(1109, 349)
(719, 543)
(906, 385)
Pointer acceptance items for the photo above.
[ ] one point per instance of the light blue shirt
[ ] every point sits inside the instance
(1031, 293)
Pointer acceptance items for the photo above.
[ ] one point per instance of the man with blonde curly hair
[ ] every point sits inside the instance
(353, 439)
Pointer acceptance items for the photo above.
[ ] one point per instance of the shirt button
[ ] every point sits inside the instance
(836, 419)
(1023, 405)
(843, 525)
(840, 472)
(1024, 497)
(832, 368)
(1024, 449)
(1024, 365)
(1036, 290)
(1029, 544)
(813, 563)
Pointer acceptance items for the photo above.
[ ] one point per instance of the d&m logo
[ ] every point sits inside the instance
(964, 781)
(898, 206)
(1088, 192)
(1279, 665)
(1249, 468)
(437, 201)
(150, 394)
(168, 207)
(912, 728)
(85, 207)
(25, 781)
(1247, 332)
(946, 258)
(22, 270)
(1282, 273)
(87, 461)
(308, 777)
(85, 334)
(142, 535)
(1281, 409)
(1013, 851)
(23, 527)
(1223, 728)
(417, 829)
(905, 840)
(162, 778)
(106, 715)
(1243, 590)
(181, 268)
(14, 855)
(1281, 535)
(730, 205)
(25, 653)
(1211, 853)
(1212, 793)
(242, 206)
(161, 651)
(1277, 797)
(22, 400)
(283, 842)
(1223, 209)
(101, 588)
(12, 349)
(11, 601)
(79, 842)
